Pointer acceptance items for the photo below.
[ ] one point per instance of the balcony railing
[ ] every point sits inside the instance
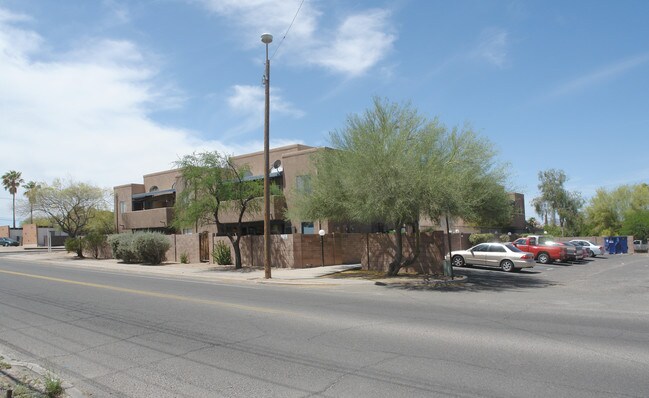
(152, 218)
(277, 210)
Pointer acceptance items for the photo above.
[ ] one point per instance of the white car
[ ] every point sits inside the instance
(592, 248)
(504, 255)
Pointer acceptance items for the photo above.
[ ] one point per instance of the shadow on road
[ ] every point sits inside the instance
(479, 280)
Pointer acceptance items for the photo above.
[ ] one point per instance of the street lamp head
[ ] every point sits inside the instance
(321, 232)
(266, 38)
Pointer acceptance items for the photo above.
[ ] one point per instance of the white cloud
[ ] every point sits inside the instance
(492, 46)
(600, 75)
(248, 104)
(359, 43)
(351, 48)
(84, 115)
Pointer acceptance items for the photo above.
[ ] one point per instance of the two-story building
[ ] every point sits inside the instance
(149, 205)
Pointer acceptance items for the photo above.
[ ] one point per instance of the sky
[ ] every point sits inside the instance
(106, 91)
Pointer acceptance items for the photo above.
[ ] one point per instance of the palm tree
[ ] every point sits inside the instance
(11, 180)
(30, 192)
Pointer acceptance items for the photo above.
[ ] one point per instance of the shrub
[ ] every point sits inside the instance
(482, 238)
(221, 253)
(74, 245)
(94, 241)
(53, 386)
(184, 258)
(505, 238)
(123, 249)
(151, 246)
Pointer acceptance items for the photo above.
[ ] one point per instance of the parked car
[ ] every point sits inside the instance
(8, 242)
(543, 248)
(504, 255)
(638, 246)
(592, 249)
(579, 253)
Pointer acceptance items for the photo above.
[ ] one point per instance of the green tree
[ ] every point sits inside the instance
(30, 192)
(71, 206)
(391, 165)
(636, 223)
(211, 185)
(102, 222)
(557, 202)
(11, 180)
(607, 210)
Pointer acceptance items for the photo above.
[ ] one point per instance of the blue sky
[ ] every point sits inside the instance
(106, 91)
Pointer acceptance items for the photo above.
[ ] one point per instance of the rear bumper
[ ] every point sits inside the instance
(524, 263)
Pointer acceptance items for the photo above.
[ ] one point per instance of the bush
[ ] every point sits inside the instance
(221, 253)
(504, 238)
(476, 239)
(123, 249)
(74, 245)
(94, 241)
(151, 247)
(53, 386)
(184, 258)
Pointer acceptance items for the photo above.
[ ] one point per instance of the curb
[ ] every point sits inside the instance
(431, 283)
(68, 389)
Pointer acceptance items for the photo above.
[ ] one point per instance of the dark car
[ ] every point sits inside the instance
(8, 242)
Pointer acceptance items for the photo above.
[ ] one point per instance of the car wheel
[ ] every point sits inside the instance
(458, 261)
(544, 258)
(507, 265)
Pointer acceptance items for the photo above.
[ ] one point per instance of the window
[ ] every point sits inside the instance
(307, 228)
(122, 207)
(520, 241)
(153, 188)
(303, 183)
(496, 248)
(483, 247)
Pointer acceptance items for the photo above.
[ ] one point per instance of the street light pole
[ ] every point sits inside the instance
(267, 38)
(322, 234)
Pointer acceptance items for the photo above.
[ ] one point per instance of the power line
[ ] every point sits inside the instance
(287, 30)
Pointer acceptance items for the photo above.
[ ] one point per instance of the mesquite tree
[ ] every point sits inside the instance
(393, 166)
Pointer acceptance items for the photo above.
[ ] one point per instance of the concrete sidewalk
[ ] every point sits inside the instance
(301, 276)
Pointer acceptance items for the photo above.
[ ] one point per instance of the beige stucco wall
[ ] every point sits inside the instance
(30, 235)
(163, 180)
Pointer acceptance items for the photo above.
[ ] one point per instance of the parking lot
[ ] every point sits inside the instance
(612, 282)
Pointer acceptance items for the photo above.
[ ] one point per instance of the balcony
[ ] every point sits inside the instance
(152, 218)
(277, 210)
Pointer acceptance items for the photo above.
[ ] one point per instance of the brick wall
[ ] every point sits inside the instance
(187, 244)
(30, 235)
(252, 250)
(4, 231)
(380, 250)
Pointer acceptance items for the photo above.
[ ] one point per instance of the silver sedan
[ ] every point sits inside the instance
(504, 255)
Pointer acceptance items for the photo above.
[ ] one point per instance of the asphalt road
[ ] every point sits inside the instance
(555, 331)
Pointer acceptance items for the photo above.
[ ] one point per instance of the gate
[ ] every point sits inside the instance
(204, 247)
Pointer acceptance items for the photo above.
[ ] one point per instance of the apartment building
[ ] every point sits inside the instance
(149, 205)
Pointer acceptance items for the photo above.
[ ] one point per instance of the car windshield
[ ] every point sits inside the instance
(513, 248)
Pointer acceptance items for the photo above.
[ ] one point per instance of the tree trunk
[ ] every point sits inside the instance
(237, 253)
(14, 208)
(395, 265)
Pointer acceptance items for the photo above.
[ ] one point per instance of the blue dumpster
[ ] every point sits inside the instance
(624, 245)
(616, 245)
